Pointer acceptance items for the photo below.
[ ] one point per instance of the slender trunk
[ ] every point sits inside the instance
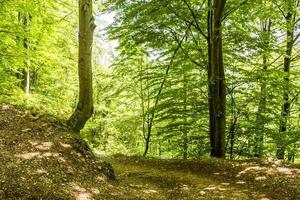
(216, 78)
(25, 76)
(84, 109)
(185, 130)
(285, 109)
(142, 102)
(260, 124)
(232, 136)
(149, 117)
(152, 115)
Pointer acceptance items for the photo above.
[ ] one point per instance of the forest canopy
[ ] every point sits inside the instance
(171, 79)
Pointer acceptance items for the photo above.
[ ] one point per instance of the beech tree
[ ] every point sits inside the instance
(216, 79)
(290, 16)
(84, 109)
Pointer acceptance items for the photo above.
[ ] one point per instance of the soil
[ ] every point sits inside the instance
(41, 159)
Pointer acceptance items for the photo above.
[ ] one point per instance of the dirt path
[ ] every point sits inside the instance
(156, 179)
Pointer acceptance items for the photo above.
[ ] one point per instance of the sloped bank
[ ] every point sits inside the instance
(41, 159)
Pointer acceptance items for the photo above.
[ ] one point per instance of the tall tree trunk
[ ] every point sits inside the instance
(216, 79)
(84, 109)
(285, 109)
(259, 134)
(25, 75)
(185, 120)
(148, 116)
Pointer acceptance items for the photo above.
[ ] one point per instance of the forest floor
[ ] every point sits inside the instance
(207, 179)
(41, 159)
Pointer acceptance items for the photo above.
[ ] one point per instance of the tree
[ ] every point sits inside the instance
(290, 20)
(259, 123)
(216, 79)
(84, 109)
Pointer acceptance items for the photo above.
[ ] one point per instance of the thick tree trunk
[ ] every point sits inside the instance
(285, 109)
(84, 109)
(216, 80)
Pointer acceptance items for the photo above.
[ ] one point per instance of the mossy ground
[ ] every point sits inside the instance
(41, 159)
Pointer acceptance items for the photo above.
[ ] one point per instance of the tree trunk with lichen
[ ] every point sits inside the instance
(84, 109)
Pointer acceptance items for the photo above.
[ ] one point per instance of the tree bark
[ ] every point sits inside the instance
(216, 79)
(84, 109)
(285, 109)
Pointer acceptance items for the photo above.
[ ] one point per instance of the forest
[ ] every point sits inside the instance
(166, 99)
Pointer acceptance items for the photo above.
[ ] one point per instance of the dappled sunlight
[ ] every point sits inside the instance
(262, 197)
(275, 169)
(95, 191)
(64, 145)
(80, 193)
(83, 196)
(288, 171)
(101, 178)
(40, 171)
(33, 142)
(215, 187)
(149, 191)
(61, 159)
(42, 146)
(50, 154)
(255, 169)
(28, 156)
(5, 107)
(240, 182)
(260, 178)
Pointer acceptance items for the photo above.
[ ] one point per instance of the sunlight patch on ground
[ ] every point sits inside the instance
(260, 178)
(275, 169)
(33, 142)
(288, 171)
(255, 168)
(215, 187)
(80, 193)
(241, 182)
(102, 178)
(44, 146)
(40, 171)
(64, 145)
(50, 154)
(28, 156)
(5, 107)
(149, 191)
